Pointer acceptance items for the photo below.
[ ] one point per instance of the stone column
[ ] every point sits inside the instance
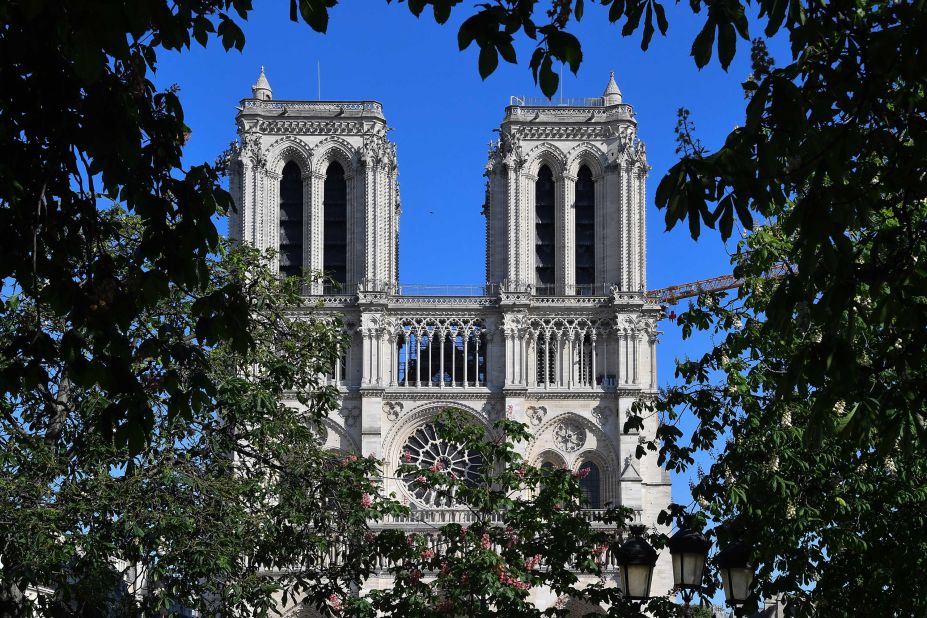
(603, 241)
(316, 227)
(566, 210)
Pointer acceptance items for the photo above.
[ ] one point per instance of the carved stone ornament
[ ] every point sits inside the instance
(536, 414)
(493, 410)
(392, 409)
(569, 436)
(602, 414)
(350, 416)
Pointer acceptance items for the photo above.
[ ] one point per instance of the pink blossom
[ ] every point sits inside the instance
(407, 456)
(484, 541)
(335, 602)
(415, 576)
(427, 554)
(532, 562)
(421, 479)
(463, 532)
(436, 466)
(445, 568)
(507, 580)
(349, 459)
(520, 471)
(581, 473)
(366, 500)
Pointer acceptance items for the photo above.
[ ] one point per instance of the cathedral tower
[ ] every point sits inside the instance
(565, 199)
(316, 182)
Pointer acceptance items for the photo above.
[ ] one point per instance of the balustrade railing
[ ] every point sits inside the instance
(484, 290)
(425, 523)
(559, 102)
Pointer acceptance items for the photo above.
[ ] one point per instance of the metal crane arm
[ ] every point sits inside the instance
(674, 293)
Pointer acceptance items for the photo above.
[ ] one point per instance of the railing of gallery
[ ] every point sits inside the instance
(482, 290)
(425, 524)
(559, 102)
(429, 518)
(424, 289)
(577, 289)
(441, 352)
(406, 289)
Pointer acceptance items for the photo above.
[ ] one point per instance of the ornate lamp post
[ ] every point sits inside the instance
(736, 574)
(637, 560)
(689, 549)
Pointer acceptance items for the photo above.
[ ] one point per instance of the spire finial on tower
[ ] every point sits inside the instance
(261, 88)
(612, 93)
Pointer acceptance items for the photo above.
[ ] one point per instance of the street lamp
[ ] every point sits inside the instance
(689, 549)
(736, 573)
(637, 560)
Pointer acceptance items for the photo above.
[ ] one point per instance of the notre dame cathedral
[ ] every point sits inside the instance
(560, 336)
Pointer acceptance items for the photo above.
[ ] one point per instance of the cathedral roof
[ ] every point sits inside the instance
(612, 94)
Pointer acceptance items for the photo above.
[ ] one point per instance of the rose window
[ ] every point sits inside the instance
(427, 449)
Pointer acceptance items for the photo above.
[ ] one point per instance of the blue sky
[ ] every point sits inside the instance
(443, 115)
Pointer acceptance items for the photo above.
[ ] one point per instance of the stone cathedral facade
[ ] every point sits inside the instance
(560, 335)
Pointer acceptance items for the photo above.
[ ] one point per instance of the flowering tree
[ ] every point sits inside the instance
(228, 503)
(528, 531)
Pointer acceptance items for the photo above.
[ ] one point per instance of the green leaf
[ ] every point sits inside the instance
(489, 60)
(565, 47)
(701, 46)
(648, 28)
(548, 78)
(662, 23)
(727, 44)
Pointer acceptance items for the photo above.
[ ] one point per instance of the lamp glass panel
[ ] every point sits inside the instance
(687, 569)
(737, 584)
(636, 578)
(740, 583)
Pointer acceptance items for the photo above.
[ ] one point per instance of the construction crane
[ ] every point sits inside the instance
(673, 294)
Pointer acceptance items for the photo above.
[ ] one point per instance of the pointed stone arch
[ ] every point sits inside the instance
(596, 447)
(587, 154)
(287, 149)
(334, 148)
(338, 438)
(549, 456)
(549, 154)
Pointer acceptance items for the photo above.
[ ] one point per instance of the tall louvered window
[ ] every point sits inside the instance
(544, 234)
(291, 221)
(335, 213)
(585, 232)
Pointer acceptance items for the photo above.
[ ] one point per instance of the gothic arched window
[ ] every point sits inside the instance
(291, 221)
(546, 348)
(335, 215)
(590, 484)
(585, 232)
(544, 232)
